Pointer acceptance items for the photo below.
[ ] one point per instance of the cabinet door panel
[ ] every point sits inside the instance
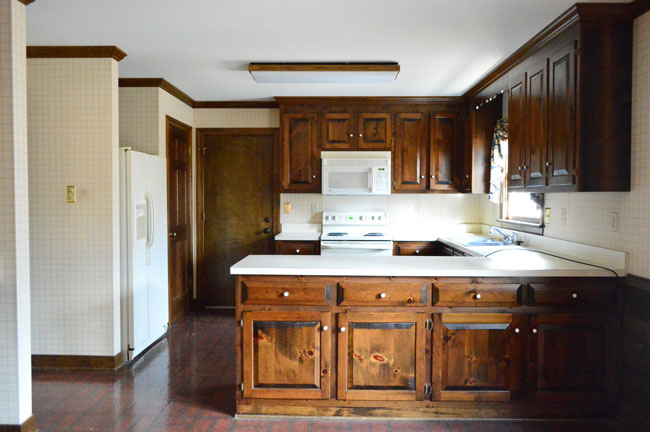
(443, 152)
(536, 120)
(375, 131)
(286, 355)
(517, 131)
(287, 247)
(410, 152)
(337, 131)
(571, 358)
(381, 356)
(561, 117)
(300, 153)
(477, 357)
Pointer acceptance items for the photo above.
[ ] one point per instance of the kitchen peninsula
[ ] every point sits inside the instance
(517, 334)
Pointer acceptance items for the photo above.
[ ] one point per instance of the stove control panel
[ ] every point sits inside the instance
(354, 218)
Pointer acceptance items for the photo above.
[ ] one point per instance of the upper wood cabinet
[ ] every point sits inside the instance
(337, 132)
(300, 153)
(445, 152)
(517, 131)
(410, 154)
(352, 131)
(536, 124)
(374, 131)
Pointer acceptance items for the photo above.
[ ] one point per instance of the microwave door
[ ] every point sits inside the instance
(349, 180)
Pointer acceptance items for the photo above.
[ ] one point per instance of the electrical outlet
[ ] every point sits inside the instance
(315, 207)
(71, 194)
(614, 222)
(287, 208)
(547, 215)
(418, 208)
(563, 214)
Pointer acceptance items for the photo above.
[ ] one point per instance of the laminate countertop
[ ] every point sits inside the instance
(517, 262)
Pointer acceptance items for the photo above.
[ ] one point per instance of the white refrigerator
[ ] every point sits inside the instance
(143, 248)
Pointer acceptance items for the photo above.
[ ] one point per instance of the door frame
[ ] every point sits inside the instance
(201, 133)
(172, 122)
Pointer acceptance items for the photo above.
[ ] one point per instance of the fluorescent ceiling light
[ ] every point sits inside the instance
(323, 73)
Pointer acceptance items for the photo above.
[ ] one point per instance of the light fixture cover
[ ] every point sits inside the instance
(324, 73)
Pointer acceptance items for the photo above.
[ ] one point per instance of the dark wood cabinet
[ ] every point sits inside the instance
(337, 131)
(517, 131)
(445, 152)
(375, 131)
(356, 131)
(536, 125)
(561, 116)
(381, 356)
(426, 248)
(286, 355)
(477, 356)
(410, 154)
(572, 357)
(300, 153)
(287, 247)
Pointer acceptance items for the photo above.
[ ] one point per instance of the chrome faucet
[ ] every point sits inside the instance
(508, 239)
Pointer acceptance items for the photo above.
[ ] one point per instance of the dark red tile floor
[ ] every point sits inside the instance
(186, 383)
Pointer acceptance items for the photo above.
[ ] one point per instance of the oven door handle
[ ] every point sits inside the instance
(356, 246)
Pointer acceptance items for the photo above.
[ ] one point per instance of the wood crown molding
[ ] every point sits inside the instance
(28, 426)
(640, 7)
(391, 100)
(157, 82)
(587, 11)
(75, 52)
(77, 361)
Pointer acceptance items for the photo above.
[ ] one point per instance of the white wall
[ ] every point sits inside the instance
(15, 360)
(139, 116)
(589, 215)
(74, 136)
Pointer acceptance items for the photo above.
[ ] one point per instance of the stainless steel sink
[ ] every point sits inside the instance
(478, 241)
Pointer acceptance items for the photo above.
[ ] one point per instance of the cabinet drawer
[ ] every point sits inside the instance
(483, 294)
(415, 248)
(284, 247)
(570, 294)
(289, 293)
(382, 294)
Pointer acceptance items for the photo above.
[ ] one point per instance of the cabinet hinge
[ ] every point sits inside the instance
(427, 389)
(241, 386)
(241, 322)
(203, 151)
(428, 325)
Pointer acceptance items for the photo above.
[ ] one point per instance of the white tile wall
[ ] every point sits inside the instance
(139, 114)
(73, 140)
(589, 215)
(15, 333)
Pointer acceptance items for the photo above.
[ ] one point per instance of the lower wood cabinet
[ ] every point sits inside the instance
(286, 247)
(286, 355)
(381, 356)
(426, 248)
(572, 357)
(477, 356)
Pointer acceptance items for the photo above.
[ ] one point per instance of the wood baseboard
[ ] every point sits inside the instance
(77, 362)
(28, 426)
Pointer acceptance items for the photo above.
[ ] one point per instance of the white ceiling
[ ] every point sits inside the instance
(204, 46)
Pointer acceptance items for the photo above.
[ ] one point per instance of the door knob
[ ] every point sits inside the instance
(267, 230)
(267, 219)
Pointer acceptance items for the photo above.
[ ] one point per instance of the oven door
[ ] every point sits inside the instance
(348, 180)
(374, 248)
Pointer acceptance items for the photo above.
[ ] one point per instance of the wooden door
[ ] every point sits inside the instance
(337, 131)
(381, 356)
(477, 356)
(236, 203)
(300, 154)
(536, 125)
(410, 155)
(286, 355)
(517, 131)
(179, 191)
(572, 358)
(375, 131)
(444, 152)
(562, 117)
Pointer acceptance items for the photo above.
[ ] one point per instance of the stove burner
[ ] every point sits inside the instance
(337, 234)
(373, 234)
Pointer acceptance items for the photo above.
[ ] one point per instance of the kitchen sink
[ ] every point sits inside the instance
(478, 241)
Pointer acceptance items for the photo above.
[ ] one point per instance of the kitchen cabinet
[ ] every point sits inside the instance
(410, 155)
(426, 248)
(286, 247)
(300, 153)
(337, 131)
(536, 125)
(381, 356)
(477, 356)
(572, 357)
(356, 131)
(445, 150)
(517, 131)
(375, 131)
(286, 355)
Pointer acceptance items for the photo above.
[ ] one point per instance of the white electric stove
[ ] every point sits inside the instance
(355, 233)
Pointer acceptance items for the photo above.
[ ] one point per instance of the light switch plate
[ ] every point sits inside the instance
(287, 208)
(547, 215)
(71, 194)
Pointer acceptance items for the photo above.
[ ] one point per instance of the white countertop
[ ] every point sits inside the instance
(515, 263)
(298, 236)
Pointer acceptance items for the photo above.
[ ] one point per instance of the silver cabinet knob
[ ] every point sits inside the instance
(517, 330)
(314, 176)
(360, 135)
(432, 176)
(477, 296)
(417, 251)
(519, 167)
(382, 295)
(466, 175)
(297, 250)
(574, 295)
(351, 135)
(421, 176)
(342, 329)
(285, 294)
(534, 331)
(325, 328)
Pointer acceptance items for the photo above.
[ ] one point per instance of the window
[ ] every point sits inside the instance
(524, 208)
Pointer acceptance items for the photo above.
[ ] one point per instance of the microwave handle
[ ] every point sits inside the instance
(372, 176)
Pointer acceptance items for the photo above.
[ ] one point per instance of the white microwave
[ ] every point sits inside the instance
(356, 173)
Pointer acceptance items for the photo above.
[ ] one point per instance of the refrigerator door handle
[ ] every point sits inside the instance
(150, 222)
